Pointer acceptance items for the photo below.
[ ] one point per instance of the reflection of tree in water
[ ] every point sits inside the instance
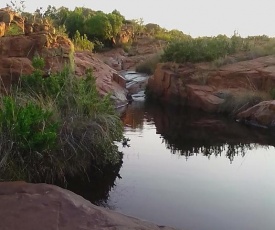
(191, 132)
(229, 150)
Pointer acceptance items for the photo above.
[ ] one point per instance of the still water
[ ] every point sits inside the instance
(195, 171)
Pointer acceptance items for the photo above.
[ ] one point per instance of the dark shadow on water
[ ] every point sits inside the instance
(189, 132)
(96, 184)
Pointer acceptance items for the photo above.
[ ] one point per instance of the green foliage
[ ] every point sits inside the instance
(170, 35)
(98, 45)
(13, 30)
(75, 20)
(149, 65)
(56, 126)
(89, 124)
(116, 23)
(29, 126)
(138, 25)
(38, 63)
(99, 26)
(204, 48)
(82, 42)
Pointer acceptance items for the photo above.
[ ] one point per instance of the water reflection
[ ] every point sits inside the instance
(96, 184)
(192, 170)
(190, 132)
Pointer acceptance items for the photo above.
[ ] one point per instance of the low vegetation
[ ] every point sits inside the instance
(149, 65)
(219, 49)
(56, 126)
(238, 102)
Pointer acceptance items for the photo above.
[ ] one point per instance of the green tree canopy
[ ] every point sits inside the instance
(99, 27)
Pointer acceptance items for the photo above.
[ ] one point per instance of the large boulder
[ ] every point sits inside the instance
(262, 114)
(27, 206)
(175, 83)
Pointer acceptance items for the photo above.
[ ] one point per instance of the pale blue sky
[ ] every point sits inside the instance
(194, 17)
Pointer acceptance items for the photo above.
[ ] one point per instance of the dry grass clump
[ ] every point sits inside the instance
(149, 65)
(235, 103)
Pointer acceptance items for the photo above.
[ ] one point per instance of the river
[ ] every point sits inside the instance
(194, 171)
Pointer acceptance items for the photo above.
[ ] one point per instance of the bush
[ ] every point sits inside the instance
(149, 65)
(203, 48)
(30, 127)
(61, 125)
(82, 42)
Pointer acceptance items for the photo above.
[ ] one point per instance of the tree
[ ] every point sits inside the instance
(99, 27)
(75, 21)
(116, 23)
(116, 12)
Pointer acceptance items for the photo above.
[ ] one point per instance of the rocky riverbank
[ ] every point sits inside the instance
(232, 88)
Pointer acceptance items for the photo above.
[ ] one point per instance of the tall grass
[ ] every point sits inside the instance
(149, 65)
(56, 126)
(238, 102)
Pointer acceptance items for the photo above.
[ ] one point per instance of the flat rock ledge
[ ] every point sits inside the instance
(27, 206)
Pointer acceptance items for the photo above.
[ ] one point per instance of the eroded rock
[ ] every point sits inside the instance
(189, 84)
(262, 114)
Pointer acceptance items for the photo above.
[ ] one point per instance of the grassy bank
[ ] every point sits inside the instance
(56, 126)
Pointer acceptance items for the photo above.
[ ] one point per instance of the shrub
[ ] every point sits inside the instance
(31, 128)
(82, 42)
(149, 65)
(38, 63)
(61, 125)
(13, 30)
(235, 103)
(204, 48)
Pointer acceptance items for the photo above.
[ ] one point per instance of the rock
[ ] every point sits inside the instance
(175, 83)
(17, 52)
(44, 207)
(262, 114)
(107, 79)
(202, 97)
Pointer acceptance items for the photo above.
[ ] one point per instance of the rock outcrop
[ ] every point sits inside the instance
(17, 52)
(107, 79)
(41, 206)
(262, 115)
(205, 87)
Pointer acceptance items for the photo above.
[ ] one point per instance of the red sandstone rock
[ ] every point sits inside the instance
(27, 206)
(262, 114)
(171, 82)
(17, 52)
(202, 97)
(107, 79)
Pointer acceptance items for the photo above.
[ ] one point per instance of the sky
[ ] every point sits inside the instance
(193, 17)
